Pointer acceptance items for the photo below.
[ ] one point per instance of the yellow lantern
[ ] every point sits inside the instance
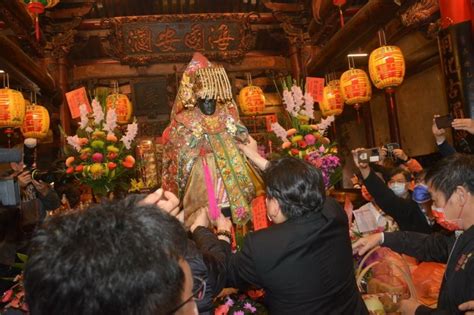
(355, 87)
(332, 103)
(251, 100)
(387, 67)
(12, 108)
(36, 123)
(123, 107)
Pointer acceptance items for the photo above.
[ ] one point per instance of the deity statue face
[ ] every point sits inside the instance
(207, 105)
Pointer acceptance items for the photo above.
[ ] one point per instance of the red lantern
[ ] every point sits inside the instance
(387, 67)
(12, 108)
(37, 7)
(36, 123)
(355, 87)
(123, 107)
(332, 103)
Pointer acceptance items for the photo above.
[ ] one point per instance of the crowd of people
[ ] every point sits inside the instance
(135, 256)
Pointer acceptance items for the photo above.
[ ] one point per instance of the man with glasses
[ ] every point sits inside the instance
(451, 185)
(125, 257)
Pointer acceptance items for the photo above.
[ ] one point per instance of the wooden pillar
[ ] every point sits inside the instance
(368, 125)
(392, 115)
(295, 59)
(64, 114)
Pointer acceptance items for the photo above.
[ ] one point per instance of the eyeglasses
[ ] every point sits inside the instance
(198, 293)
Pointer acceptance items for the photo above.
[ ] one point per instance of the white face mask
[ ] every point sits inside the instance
(399, 189)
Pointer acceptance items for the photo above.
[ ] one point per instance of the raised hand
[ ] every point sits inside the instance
(364, 244)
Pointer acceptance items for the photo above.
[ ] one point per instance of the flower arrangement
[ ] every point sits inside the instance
(99, 155)
(239, 304)
(305, 140)
(15, 296)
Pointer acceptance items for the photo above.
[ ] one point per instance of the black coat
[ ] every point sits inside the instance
(304, 265)
(207, 257)
(458, 281)
(405, 212)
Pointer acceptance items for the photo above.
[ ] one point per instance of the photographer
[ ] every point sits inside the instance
(444, 148)
(394, 199)
(37, 197)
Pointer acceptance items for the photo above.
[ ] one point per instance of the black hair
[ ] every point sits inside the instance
(297, 186)
(399, 170)
(113, 258)
(449, 173)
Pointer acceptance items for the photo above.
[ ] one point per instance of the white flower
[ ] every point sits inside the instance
(74, 142)
(132, 130)
(98, 112)
(289, 102)
(297, 97)
(110, 120)
(279, 131)
(308, 105)
(84, 120)
(325, 123)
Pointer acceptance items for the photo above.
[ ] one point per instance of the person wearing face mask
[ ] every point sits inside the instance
(394, 199)
(451, 185)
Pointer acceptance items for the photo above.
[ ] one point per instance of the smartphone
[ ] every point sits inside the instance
(392, 146)
(369, 156)
(443, 122)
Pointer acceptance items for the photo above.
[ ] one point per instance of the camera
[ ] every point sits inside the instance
(46, 176)
(369, 156)
(390, 147)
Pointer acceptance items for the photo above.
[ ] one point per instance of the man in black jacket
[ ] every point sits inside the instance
(451, 184)
(303, 261)
(396, 200)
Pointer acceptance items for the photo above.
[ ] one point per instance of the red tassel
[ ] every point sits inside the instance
(341, 16)
(37, 29)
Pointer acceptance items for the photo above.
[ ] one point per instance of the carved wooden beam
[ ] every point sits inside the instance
(26, 66)
(112, 69)
(361, 27)
(15, 17)
(68, 13)
(283, 7)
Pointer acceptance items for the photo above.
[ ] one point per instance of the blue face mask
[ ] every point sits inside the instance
(421, 194)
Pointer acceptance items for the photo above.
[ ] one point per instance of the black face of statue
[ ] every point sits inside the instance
(207, 106)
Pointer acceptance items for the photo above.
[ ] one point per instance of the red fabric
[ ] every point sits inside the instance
(339, 2)
(455, 11)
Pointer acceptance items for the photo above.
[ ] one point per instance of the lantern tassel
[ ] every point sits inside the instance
(37, 28)
(341, 17)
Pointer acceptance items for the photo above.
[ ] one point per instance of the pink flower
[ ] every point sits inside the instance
(249, 307)
(322, 149)
(229, 302)
(97, 157)
(310, 139)
(239, 313)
